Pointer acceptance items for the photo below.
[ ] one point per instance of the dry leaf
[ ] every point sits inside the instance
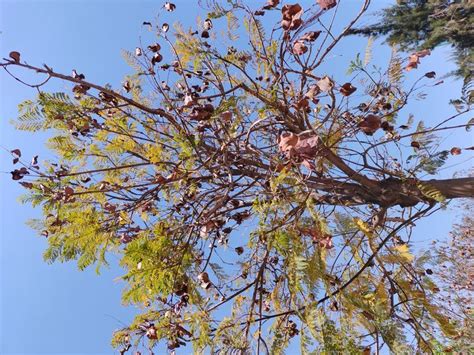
(307, 145)
(387, 127)
(291, 17)
(19, 174)
(75, 75)
(157, 57)
(27, 185)
(347, 89)
(271, 4)
(201, 113)
(431, 74)
(170, 6)
(154, 47)
(287, 142)
(208, 24)
(304, 146)
(312, 92)
(126, 86)
(302, 104)
(151, 333)
(414, 59)
(327, 4)
(15, 56)
(326, 242)
(226, 116)
(203, 276)
(325, 84)
(299, 48)
(310, 36)
(68, 191)
(455, 151)
(370, 124)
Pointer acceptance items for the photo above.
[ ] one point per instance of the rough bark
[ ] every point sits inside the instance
(454, 188)
(394, 192)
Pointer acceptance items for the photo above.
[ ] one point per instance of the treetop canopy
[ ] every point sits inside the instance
(250, 197)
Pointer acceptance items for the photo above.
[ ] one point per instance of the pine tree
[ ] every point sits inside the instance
(427, 24)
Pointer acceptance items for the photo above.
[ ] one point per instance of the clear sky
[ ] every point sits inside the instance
(46, 309)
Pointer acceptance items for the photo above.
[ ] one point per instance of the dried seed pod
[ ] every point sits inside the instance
(154, 47)
(15, 56)
(208, 24)
(170, 6)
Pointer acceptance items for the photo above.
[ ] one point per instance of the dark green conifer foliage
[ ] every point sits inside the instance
(427, 24)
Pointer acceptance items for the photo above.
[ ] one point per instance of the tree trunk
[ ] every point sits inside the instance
(454, 188)
(410, 192)
(392, 192)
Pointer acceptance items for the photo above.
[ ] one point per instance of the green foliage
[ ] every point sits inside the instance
(425, 144)
(431, 192)
(355, 65)
(395, 69)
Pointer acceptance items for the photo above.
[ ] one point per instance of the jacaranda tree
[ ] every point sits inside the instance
(249, 197)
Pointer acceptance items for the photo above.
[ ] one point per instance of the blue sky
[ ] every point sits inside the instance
(46, 309)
